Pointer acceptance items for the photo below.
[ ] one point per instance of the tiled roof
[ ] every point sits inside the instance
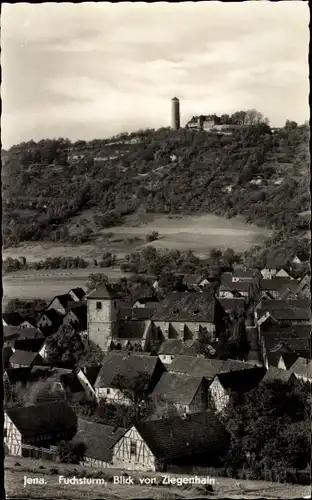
(30, 333)
(241, 381)
(142, 313)
(171, 346)
(25, 358)
(64, 299)
(293, 331)
(178, 437)
(98, 439)
(302, 367)
(275, 373)
(277, 284)
(232, 304)
(177, 388)
(151, 301)
(33, 345)
(79, 292)
(208, 368)
(128, 365)
(125, 312)
(186, 307)
(80, 311)
(289, 358)
(247, 273)
(240, 286)
(104, 292)
(275, 347)
(48, 418)
(54, 316)
(11, 332)
(286, 309)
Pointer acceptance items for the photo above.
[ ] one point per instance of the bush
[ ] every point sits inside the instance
(152, 237)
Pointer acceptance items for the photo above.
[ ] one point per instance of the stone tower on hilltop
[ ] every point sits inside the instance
(175, 110)
(103, 309)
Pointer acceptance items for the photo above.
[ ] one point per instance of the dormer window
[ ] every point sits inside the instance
(175, 311)
(196, 311)
(98, 306)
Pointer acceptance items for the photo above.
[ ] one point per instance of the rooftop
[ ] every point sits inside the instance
(104, 292)
(177, 388)
(186, 307)
(208, 368)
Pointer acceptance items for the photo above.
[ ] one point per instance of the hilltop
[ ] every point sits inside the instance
(59, 191)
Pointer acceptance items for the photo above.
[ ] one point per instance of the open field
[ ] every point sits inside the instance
(199, 233)
(45, 284)
(223, 488)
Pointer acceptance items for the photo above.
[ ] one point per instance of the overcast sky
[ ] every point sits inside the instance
(86, 71)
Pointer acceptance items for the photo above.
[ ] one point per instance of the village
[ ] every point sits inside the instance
(159, 352)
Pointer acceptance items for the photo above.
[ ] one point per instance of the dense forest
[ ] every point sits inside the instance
(259, 174)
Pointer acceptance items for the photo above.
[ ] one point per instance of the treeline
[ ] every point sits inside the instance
(12, 265)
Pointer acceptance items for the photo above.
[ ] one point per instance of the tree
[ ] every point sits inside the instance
(71, 453)
(26, 308)
(64, 345)
(96, 280)
(134, 389)
(254, 117)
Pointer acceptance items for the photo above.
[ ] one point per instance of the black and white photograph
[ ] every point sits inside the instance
(156, 234)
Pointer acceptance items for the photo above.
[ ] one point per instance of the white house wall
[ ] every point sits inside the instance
(142, 460)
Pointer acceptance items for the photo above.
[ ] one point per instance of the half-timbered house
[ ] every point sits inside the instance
(195, 439)
(225, 384)
(98, 440)
(60, 303)
(38, 425)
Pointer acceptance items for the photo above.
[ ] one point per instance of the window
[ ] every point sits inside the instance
(99, 305)
(5, 432)
(132, 447)
(107, 391)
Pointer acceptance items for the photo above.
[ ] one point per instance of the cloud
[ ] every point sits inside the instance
(93, 69)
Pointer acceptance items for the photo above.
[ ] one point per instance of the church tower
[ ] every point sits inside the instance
(103, 309)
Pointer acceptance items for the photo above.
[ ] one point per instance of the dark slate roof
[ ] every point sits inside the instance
(287, 309)
(240, 286)
(192, 279)
(127, 365)
(125, 312)
(293, 331)
(54, 316)
(277, 284)
(230, 305)
(208, 368)
(186, 307)
(12, 319)
(245, 273)
(275, 373)
(98, 439)
(130, 329)
(275, 347)
(226, 279)
(79, 309)
(46, 418)
(11, 332)
(91, 373)
(79, 292)
(292, 287)
(15, 375)
(64, 299)
(104, 292)
(142, 313)
(33, 345)
(177, 387)
(241, 381)
(23, 357)
(302, 367)
(178, 437)
(151, 301)
(30, 333)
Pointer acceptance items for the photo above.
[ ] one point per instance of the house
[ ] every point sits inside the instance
(208, 368)
(149, 302)
(10, 335)
(7, 352)
(120, 368)
(271, 268)
(274, 374)
(186, 315)
(297, 289)
(29, 322)
(282, 273)
(232, 305)
(30, 333)
(98, 440)
(32, 345)
(195, 281)
(236, 289)
(77, 294)
(153, 445)
(76, 316)
(60, 303)
(134, 334)
(224, 384)
(11, 319)
(283, 312)
(87, 383)
(103, 308)
(244, 275)
(50, 321)
(38, 425)
(302, 369)
(273, 348)
(91, 373)
(275, 286)
(22, 359)
(286, 360)
(188, 394)
(172, 347)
